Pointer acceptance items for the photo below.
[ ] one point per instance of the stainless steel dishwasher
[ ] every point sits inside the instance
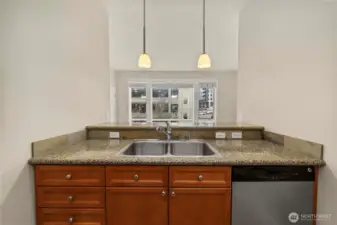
(272, 195)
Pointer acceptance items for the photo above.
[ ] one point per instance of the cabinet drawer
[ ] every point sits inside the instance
(137, 176)
(70, 176)
(70, 216)
(60, 197)
(200, 176)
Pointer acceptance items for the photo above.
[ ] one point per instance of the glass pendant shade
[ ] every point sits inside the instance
(204, 61)
(144, 61)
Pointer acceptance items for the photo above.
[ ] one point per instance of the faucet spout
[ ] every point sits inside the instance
(166, 130)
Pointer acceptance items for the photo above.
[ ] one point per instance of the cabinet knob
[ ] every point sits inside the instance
(163, 193)
(68, 176)
(71, 220)
(70, 198)
(200, 177)
(173, 194)
(136, 177)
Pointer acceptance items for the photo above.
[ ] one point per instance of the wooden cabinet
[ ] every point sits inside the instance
(48, 216)
(71, 197)
(133, 195)
(200, 176)
(201, 206)
(137, 176)
(137, 206)
(71, 176)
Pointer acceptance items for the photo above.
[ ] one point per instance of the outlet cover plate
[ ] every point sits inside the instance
(114, 134)
(237, 135)
(220, 135)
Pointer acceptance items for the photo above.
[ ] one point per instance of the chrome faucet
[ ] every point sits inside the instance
(166, 130)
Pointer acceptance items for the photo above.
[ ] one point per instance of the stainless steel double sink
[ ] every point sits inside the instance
(188, 148)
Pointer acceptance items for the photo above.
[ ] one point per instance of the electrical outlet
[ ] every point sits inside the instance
(237, 135)
(220, 135)
(114, 134)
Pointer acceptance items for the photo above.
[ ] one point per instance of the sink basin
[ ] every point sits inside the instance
(147, 148)
(191, 148)
(152, 148)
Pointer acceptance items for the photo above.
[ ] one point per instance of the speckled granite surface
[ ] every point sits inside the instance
(232, 152)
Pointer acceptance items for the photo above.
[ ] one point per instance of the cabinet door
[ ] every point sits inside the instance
(200, 206)
(137, 206)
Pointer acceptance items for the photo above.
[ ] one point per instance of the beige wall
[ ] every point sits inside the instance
(174, 33)
(56, 81)
(227, 90)
(287, 78)
(2, 101)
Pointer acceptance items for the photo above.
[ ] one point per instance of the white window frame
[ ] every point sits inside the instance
(148, 84)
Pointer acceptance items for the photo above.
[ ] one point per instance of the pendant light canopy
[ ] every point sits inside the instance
(144, 60)
(204, 60)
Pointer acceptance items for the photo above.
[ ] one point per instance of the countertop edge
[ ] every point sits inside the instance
(319, 163)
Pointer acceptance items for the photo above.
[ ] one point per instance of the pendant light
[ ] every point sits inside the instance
(144, 60)
(204, 60)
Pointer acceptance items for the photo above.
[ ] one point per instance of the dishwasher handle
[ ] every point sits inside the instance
(273, 173)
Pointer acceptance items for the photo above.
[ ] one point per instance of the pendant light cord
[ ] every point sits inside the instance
(203, 28)
(144, 29)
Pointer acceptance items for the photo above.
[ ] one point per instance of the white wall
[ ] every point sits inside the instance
(174, 33)
(2, 97)
(287, 77)
(56, 81)
(227, 90)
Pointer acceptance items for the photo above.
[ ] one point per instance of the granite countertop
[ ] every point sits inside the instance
(232, 152)
(104, 126)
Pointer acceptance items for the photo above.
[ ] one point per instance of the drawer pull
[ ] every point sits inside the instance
(70, 198)
(163, 193)
(200, 177)
(136, 177)
(71, 220)
(173, 194)
(68, 176)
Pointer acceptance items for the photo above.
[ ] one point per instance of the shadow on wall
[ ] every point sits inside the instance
(19, 203)
(327, 187)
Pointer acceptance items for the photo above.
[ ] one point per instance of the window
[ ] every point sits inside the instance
(179, 103)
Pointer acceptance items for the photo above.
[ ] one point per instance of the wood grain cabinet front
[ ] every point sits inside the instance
(137, 206)
(46, 216)
(70, 176)
(200, 176)
(71, 197)
(137, 176)
(201, 206)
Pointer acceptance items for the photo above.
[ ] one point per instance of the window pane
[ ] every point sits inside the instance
(138, 110)
(206, 104)
(174, 93)
(186, 107)
(175, 111)
(160, 93)
(161, 110)
(138, 92)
